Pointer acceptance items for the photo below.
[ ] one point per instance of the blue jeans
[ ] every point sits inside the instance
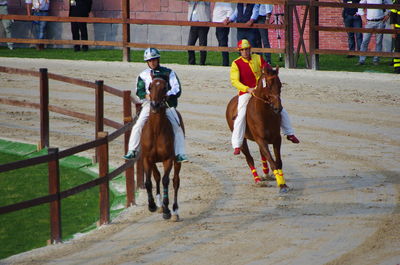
(367, 38)
(40, 26)
(353, 38)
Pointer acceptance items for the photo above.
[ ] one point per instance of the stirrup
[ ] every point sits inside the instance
(132, 154)
(181, 158)
(293, 139)
(236, 151)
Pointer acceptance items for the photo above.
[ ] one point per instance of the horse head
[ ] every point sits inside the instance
(158, 94)
(269, 88)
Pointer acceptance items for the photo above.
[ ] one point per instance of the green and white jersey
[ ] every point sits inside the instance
(174, 86)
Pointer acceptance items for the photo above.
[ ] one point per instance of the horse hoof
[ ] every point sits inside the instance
(283, 190)
(166, 216)
(175, 218)
(268, 178)
(261, 184)
(152, 208)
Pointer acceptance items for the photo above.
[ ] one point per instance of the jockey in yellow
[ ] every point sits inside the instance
(245, 72)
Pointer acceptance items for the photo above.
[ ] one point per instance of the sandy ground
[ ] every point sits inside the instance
(343, 209)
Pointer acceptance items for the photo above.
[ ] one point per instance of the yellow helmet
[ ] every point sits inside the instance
(243, 44)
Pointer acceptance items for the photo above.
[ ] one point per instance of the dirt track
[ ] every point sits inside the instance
(344, 207)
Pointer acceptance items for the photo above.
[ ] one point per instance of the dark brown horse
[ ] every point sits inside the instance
(157, 145)
(263, 121)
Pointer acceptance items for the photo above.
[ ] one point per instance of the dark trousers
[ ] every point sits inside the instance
(353, 38)
(201, 34)
(79, 32)
(222, 37)
(252, 35)
(264, 38)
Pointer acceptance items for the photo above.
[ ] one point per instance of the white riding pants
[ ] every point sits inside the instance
(239, 126)
(179, 138)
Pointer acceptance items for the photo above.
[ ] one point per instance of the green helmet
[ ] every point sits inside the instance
(151, 53)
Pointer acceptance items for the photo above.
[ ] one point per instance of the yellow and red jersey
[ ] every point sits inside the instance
(245, 73)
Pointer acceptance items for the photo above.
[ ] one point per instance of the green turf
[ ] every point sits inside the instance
(326, 62)
(30, 228)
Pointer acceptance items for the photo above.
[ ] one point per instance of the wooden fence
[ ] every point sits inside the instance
(54, 155)
(292, 22)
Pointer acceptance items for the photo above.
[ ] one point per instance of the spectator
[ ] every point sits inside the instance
(246, 13)
(220, 13)
(265, 12)
(376, 19)
(39, 8)
(395, 22)
(198, 11)
(352, 19)
(79, 8)
(6, 22)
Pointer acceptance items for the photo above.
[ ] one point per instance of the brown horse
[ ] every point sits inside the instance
(157, 145)
(263, 121)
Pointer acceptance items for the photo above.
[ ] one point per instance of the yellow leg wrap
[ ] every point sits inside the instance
(280, 180)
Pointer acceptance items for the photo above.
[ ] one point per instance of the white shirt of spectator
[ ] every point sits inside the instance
(39, 4)
(265, 9)
(221, 11)
(374, 13)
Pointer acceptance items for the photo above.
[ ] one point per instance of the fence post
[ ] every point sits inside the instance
(99, 122)
(130, 172)
(104, 187)
(289, 50)
(126, 33)
(314, 35)
(139, 163)
(44, 109)
(54, 188)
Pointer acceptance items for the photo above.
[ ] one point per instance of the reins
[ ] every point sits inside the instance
(260, 98)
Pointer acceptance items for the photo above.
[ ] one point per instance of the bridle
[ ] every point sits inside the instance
(269, 98)
(163, 102)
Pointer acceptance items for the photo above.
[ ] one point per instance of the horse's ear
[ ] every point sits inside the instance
(268, 70)
(264, 70)
(277, 69)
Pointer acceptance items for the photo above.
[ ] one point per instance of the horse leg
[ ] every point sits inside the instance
(147, 169)
(165, 180)
(176, 182)
(250, 161)
(280, 179)
(264, 162)
(276, 166)
(265, 168)
(157, 178)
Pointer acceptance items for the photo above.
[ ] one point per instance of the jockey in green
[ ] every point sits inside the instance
(152, 57)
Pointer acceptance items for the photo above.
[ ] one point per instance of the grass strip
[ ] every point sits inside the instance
(326, 62)
(30, 228)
